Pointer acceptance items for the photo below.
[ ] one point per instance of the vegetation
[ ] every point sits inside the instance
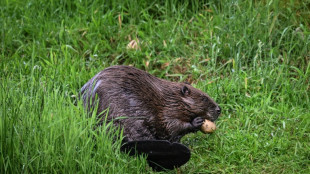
(252, 57)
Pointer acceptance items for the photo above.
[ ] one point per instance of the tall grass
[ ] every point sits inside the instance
(251, 56)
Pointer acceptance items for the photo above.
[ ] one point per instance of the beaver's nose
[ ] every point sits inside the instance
(218, 110)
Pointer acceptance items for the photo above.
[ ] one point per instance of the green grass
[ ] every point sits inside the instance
(252, 57)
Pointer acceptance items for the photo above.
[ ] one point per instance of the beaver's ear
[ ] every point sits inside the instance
(185, 91)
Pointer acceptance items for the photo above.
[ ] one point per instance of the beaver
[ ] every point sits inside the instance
(147, 107)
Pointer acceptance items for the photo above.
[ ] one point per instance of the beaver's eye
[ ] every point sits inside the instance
(205, 99)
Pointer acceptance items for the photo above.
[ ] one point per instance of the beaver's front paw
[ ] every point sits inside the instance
(197, 123)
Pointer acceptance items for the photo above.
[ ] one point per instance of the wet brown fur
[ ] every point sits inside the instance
(155, 109)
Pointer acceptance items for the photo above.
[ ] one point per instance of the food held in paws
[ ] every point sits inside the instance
(208, 127)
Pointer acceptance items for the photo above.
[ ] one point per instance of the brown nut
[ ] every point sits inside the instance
(208, 127)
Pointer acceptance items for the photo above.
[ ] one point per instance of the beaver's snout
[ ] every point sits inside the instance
(218, 110)
(214, 113)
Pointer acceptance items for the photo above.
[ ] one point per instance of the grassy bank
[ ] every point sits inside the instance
(252, 57)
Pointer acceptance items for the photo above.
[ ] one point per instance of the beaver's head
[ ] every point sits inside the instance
(199, 104)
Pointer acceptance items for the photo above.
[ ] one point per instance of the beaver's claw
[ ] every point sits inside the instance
(197, 122)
